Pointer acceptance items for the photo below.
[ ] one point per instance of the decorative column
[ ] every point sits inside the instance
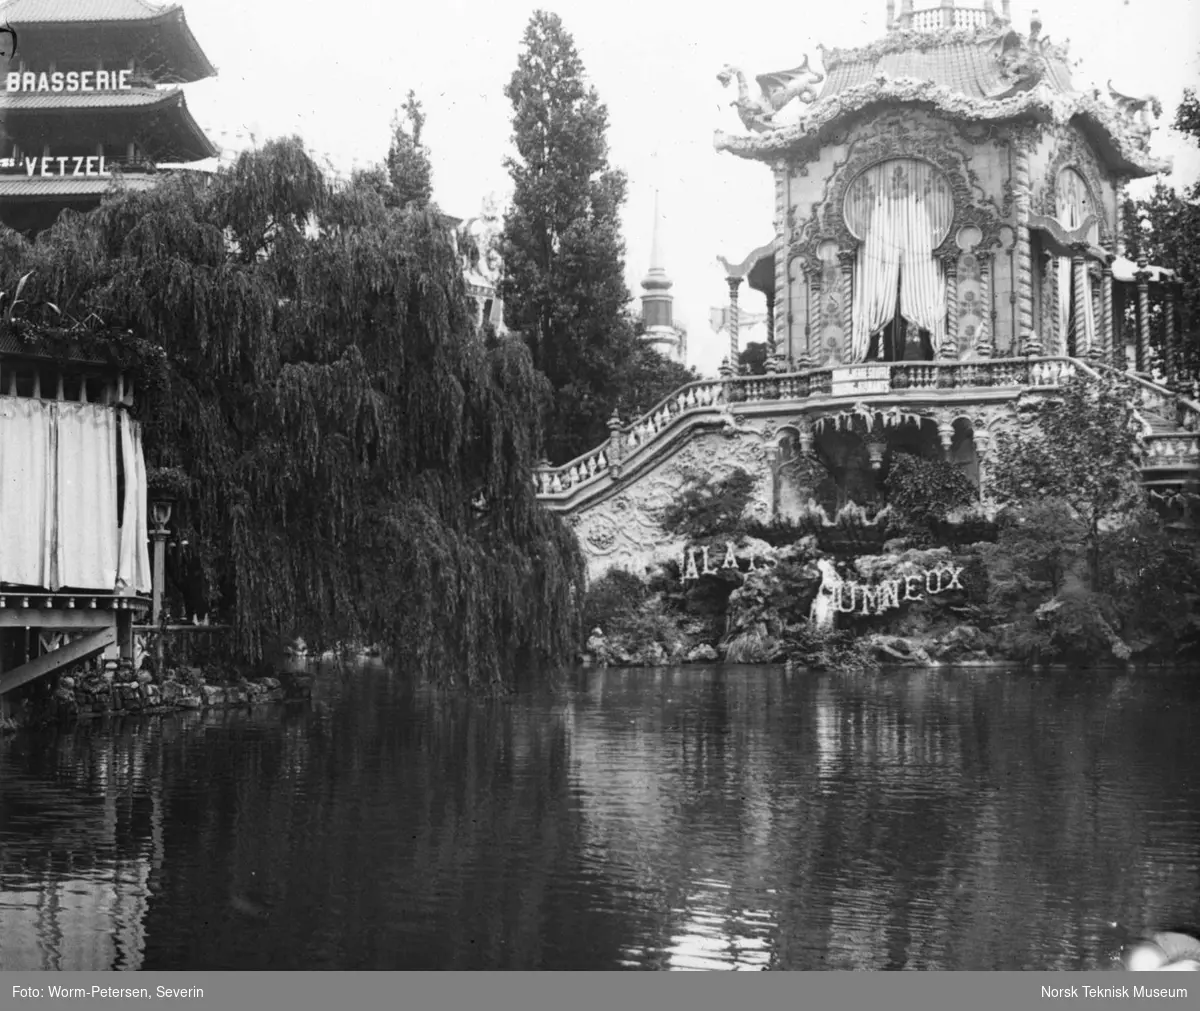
(1106, 311)
(1079, 292)
(734, 283)
(1143, 315)
(949, 349)
(1171, 354)
(891, 16)
(1120, 304)
(613, 452)
(1023, 192)
(947, 13)
(770, 324)
(847, 257)
(984, 346)
(906, 15)
(812, 323)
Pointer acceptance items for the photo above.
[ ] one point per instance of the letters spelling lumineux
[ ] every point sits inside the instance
(71, 80)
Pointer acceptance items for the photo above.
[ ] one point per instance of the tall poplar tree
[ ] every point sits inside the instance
(564, 285)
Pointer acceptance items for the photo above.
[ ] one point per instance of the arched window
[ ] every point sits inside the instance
(1073, 207)
(900, 211)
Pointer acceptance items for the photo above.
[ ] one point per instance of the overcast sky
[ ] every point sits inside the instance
(334, 73)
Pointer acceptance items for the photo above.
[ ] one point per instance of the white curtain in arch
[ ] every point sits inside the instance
(877, 277)
(900, 211)
(1073, 205)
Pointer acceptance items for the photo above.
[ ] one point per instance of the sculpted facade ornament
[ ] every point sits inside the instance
(625, 529)
(758, 112)
(1128, 139)
(1137, 110)
(1074, 152)
(895, 137)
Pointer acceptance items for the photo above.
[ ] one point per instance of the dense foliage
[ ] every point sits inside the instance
(1082, 450)
(359, 462)
(705, 507)
(1081, 567)
(923, 493)
(564, 260)
(1165, 229)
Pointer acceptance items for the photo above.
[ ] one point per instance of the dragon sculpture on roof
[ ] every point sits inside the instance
(776, 91)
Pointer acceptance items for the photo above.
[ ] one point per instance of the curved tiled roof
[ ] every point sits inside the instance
(57, 11)
(978, 63)
(64, 187)
(47, 101)
(985, 74)
(41, 21)
(178, 135)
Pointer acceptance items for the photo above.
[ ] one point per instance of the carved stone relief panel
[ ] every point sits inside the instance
(624, 531)
(830, 331)
(1072, 151)
(970, 304)
(895, 136)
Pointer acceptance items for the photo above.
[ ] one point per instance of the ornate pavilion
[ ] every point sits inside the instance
(946, 253)
(87, 100)
(947, 193)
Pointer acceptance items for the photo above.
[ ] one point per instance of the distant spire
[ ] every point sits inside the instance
(656, 285)
(656, 278)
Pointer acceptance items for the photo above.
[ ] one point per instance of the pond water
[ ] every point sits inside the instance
(696, 818)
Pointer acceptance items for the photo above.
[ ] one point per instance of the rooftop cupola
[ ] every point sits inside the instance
(944, 15)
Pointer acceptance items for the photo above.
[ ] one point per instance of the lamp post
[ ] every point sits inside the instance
(160, 513)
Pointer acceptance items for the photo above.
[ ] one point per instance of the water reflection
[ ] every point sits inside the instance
(674, 819)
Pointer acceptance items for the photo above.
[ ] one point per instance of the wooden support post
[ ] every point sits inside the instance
(72, 653)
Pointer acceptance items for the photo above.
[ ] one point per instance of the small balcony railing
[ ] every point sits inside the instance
(936, 19)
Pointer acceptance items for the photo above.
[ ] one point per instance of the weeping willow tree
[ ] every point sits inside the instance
(357, 461)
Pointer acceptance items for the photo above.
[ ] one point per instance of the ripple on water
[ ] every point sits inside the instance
(717, 818)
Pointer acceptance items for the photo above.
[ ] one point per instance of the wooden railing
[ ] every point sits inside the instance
(712, 398)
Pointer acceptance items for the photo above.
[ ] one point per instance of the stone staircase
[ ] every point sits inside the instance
(1171, 461)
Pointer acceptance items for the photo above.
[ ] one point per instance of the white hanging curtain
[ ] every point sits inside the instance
(877, 273)
(133, 565)
(922, 278)
(85, 541)
(27, 439)
(900, 210)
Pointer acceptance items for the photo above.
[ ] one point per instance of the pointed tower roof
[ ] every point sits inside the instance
(656, 278)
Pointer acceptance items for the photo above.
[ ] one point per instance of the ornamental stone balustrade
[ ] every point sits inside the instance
(613, 494)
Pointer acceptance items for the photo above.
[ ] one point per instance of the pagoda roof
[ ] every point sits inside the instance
(172, 133)
(984, 74)
(184, 59)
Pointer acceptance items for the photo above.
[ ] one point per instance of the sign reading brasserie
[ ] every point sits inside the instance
(70, 80)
